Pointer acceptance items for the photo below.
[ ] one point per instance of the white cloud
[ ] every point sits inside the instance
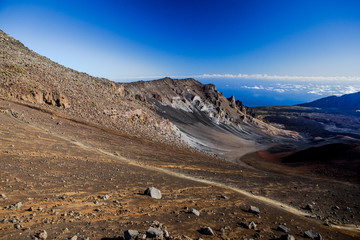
(254, 87)
(281, 77)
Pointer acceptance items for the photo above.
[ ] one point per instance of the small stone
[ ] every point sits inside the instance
(186, 237)
(224, 196)
(283, 229)
(74, 237)
(130, 234)
(313, 235)
(207, 231)
(287, 237)
(252, 225)
(2, 196)
(154, 232)
(309, 207)
(17, 226)
(255, 210)
(106, 197)
(153, 192)
(43, 235)
(17, 205)
(141, 236)
(166, 233)
(194, 211)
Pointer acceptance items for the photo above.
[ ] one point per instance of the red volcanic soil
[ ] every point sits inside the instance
(80, 179)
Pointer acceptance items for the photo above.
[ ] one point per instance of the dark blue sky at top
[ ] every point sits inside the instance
(132, 38)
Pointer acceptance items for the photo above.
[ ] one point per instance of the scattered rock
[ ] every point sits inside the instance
(186, 237)
(255, 210)
(252, 225)
(223, 196)
(153, 192)
(194, 211)
(16, 205)
(287, 237)
(154, 232)
(309, 207)
(313, 235)
(43, 235)
(131, 234)
(166, 234)
(75, 237)
(283, 229)
(141, 236)
(207, 231)
(106, 197)
(2, 196)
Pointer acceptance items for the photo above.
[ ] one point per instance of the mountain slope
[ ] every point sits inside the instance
(345, 102)
(145, 109)
(29, 77)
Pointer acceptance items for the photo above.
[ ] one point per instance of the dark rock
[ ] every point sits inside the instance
(207, 231)
(283, 229)
(153, 192)
(130, 234)
(309, 207)
(154, 232)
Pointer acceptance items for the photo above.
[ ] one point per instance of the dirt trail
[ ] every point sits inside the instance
(265, 200)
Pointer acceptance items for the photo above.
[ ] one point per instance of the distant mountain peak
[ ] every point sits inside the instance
(348, 102)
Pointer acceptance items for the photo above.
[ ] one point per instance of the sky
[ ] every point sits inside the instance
(129, 39)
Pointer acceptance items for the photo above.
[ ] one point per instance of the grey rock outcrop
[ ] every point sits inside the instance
(154, 232)
(131, 234)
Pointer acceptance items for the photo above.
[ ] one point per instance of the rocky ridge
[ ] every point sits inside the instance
(203, 114)
(31, 78)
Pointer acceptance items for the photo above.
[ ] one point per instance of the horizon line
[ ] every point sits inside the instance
(245, 76)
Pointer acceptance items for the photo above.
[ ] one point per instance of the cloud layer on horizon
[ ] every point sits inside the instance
(280, 77)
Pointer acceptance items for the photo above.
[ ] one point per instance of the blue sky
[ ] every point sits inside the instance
(128, 39)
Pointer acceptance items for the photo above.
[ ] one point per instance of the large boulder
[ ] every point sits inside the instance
(153, 192)
(131, 234)
(154, 232)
